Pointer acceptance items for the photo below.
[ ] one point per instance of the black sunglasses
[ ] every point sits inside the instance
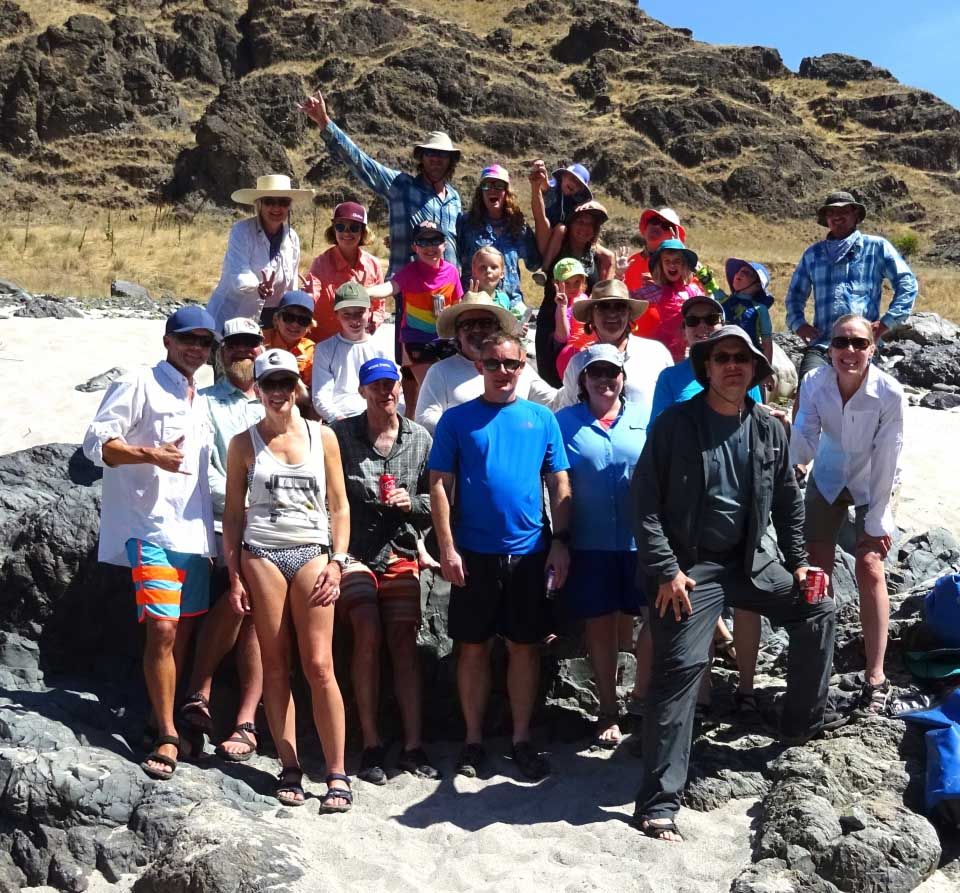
(429, 243)
(692, 320)
(493, 186)
(434, 153)
(270, 202)
(612, 306)
(602, 370)
(348, 227)
(278, 383)
(721, 358)
(296, 319)
(842, 342)
(492, 365)
(192, 340)
(244, 341)
(487, 324)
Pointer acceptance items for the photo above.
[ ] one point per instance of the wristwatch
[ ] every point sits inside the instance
(562, 536)
(343, 559)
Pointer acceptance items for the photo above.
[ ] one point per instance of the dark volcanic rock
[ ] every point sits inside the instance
(925, 329)
(890, 112)
(608, 31)
(888, 196)
(122, 288)
(206, 48)
(945, 246)
(45, 307)
(933, 364)
(13, 19)
(840, 67)
(931, 151)
(940, 400)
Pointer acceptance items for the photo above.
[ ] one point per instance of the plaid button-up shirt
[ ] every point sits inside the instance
(854, 284)
(376, 529)
(411, 200)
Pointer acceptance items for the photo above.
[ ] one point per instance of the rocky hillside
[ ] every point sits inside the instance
(122, 103)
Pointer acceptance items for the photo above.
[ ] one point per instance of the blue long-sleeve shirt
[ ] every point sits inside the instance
(410, 199)
(853, 284)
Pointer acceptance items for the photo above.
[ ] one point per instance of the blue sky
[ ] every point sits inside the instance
(918, 42)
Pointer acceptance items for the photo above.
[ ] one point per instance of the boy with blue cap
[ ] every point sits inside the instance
(152, 437)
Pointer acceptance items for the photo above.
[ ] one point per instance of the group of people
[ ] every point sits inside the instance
(633, 473)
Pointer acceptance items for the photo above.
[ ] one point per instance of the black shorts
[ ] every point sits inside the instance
(430, 353)
(504, 595)
(813, 358)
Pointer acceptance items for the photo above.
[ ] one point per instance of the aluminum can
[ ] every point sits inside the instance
(815, 585)
(439, 302)
(388, 483)
(551, 582)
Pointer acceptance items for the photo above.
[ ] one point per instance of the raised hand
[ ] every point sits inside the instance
(474, 285)
(315, 108)
(265, 288)
(169, 457)
(622, 261)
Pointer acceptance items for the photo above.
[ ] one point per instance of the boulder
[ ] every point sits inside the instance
(929, 151)
(614, 31)
(840, 67)
(940, 400)
(931, 364)
(924, 328)
(784, 374)
(944, 247)
(206, 48)
(13, 19)
(121, 288)
(47, 307)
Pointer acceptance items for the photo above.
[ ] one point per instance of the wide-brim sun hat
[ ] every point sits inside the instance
(667, 214)
(838, 200)
(275, 362)
(591, 207)
(674, 245)
(602, 353)
(474, 300)
(733, 264)
(437, 141)
(575, 170)
(271, 186)
(608, 290)
(700, 351)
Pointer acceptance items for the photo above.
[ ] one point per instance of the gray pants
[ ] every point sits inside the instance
(681, 652)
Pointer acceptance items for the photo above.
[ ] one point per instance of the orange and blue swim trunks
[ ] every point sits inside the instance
(169, 585)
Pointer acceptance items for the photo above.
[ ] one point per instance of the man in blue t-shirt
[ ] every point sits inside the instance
(495, 452)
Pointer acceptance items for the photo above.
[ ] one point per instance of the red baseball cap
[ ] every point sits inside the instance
(350, 211)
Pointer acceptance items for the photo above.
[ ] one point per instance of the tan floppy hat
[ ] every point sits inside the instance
(474, 300)
(608, 290)
(438, 141)
(272, 186)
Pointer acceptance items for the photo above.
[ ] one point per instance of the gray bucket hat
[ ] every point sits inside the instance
(838, 200)
(702, 349)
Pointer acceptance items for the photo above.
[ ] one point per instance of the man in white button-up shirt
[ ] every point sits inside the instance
(152, 437)
(851, 424)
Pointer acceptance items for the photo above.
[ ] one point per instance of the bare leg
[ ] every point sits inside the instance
(218, 634)
(411, 389)
(365, 668)
(314, 628)
(746, 639)
(250, 673)
(874, 612)
(557, 235)
(271, 616)
(160, 672)
(624, 632)
(186, 627)
(523, 675)
(601, 634)
(473, 685)
(402, 642)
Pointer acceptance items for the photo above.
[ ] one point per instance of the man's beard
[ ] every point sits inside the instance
(240, 372)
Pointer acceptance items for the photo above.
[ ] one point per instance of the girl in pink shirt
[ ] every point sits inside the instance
(672, 267)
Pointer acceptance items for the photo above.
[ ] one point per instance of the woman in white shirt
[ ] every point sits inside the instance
(263, 253)
(850, 423)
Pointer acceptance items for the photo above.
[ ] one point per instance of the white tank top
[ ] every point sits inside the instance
(286, 503)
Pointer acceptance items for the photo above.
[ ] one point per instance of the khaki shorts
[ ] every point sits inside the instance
(823, 521)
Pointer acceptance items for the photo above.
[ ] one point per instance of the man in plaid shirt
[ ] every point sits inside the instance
(411, 199)
(380, 588)
(846, 272)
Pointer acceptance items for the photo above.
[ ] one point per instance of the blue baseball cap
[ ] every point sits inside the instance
(191, 317)
(298, 299)
(377, 368)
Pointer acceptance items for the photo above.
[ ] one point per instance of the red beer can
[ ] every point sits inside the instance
(388, 483)
(815, 585)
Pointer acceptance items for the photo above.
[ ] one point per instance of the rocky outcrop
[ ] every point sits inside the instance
(13, 19)
(840, 67)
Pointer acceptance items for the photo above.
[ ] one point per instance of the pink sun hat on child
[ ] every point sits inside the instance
(495, 172)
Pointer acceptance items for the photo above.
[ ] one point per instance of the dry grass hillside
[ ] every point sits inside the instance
(125, 125)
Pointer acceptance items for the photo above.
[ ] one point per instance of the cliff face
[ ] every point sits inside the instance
(126, 102)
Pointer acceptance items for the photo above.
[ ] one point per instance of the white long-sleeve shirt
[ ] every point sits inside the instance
(645, 360)
(856, 445)
(173, 510)
(336, 376)
(455, 380)
(248, 252)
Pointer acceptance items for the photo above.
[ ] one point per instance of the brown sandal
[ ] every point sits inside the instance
(241, 735)
(195, 712)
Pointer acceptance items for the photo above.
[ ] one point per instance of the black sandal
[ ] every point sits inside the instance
(336, 794)
(195, 712)
(290, 781)
(154, 757)
(241, 735)
(657, 829)
(529, 761)
(606, 721)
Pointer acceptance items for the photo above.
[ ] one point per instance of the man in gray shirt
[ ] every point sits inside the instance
(714, 471)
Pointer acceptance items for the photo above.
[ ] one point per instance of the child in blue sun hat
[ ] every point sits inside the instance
(748, 304)
(561, 194)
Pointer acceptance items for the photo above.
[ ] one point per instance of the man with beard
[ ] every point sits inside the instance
(456, 379)
(234, 407)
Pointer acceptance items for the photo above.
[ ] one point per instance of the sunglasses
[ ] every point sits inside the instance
(613, 306)
(245, 342)
(842, 342)
(483, 325)
(492, 365)
(348, 227)
(602, 370)
(741, 358)
(429, 243)
(295, 319)
(493, 186)
(691, 320)
(278, 383)
(191, 340)
(434, 153)
(272, 202)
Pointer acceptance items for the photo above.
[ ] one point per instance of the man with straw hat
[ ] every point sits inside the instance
(456, 380)
(263, 253)
(411, 199)
(845, 271)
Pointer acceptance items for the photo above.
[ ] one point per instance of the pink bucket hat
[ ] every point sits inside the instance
(495, 172)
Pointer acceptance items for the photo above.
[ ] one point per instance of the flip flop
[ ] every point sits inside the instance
(241, 735)
(154, 757)
(657, 829)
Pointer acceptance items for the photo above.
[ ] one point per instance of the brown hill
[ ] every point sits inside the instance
(123, 103)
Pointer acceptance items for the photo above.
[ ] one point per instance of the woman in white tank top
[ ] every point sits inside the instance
(284, 554)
